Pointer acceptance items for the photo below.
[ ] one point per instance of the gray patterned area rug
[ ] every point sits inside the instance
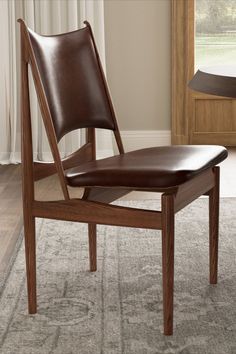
(118, 309)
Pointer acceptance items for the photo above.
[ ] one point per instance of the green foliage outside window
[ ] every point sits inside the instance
(215, 16)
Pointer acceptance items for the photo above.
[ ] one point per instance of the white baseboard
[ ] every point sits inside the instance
(132, 140)
(140, 139)
(104, 145)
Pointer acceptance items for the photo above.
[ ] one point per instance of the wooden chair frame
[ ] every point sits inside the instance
(94, 206)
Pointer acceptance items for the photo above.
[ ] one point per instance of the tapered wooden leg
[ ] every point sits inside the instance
(214, 227)
(30, 254)
(168, 261)
(92, 233)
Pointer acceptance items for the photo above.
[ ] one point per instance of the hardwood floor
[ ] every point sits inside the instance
(11, 207)
(48, 188)
(10, 212)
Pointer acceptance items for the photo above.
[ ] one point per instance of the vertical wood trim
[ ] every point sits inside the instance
(182, 67)
(190, 67)
(214, 226)
(167, 214)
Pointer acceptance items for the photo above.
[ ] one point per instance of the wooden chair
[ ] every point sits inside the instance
(73, 93)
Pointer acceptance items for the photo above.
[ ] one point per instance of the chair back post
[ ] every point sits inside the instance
(116, 130)
(26, 130)
(91, 138)
(26, 117)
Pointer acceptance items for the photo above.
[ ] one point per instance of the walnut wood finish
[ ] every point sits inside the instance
(94, 207)
(106, 195)
(92, 228)
(98, 213)
(193, 189)
(167, 203)
(92, 232)
(45, 169)
(214, 226)
(28, 185)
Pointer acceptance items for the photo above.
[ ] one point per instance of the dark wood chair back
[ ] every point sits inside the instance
(72, 92)
(73, 81)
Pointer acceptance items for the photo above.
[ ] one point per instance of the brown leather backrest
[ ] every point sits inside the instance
(72, 81)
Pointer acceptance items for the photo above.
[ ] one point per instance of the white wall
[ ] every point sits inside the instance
(138, 58)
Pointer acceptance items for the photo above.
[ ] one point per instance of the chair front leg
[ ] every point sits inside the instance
(214, 227)
(30, 255)
(92, 233)
(168, 260)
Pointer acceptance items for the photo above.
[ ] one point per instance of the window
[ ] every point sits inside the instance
(203, 34)
(215, 32)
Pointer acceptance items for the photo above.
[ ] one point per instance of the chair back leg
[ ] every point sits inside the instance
(30, 255)
(214, 226)
(92, 233)
(168, 260)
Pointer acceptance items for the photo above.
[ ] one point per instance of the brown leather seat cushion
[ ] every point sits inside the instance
(158, 167)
